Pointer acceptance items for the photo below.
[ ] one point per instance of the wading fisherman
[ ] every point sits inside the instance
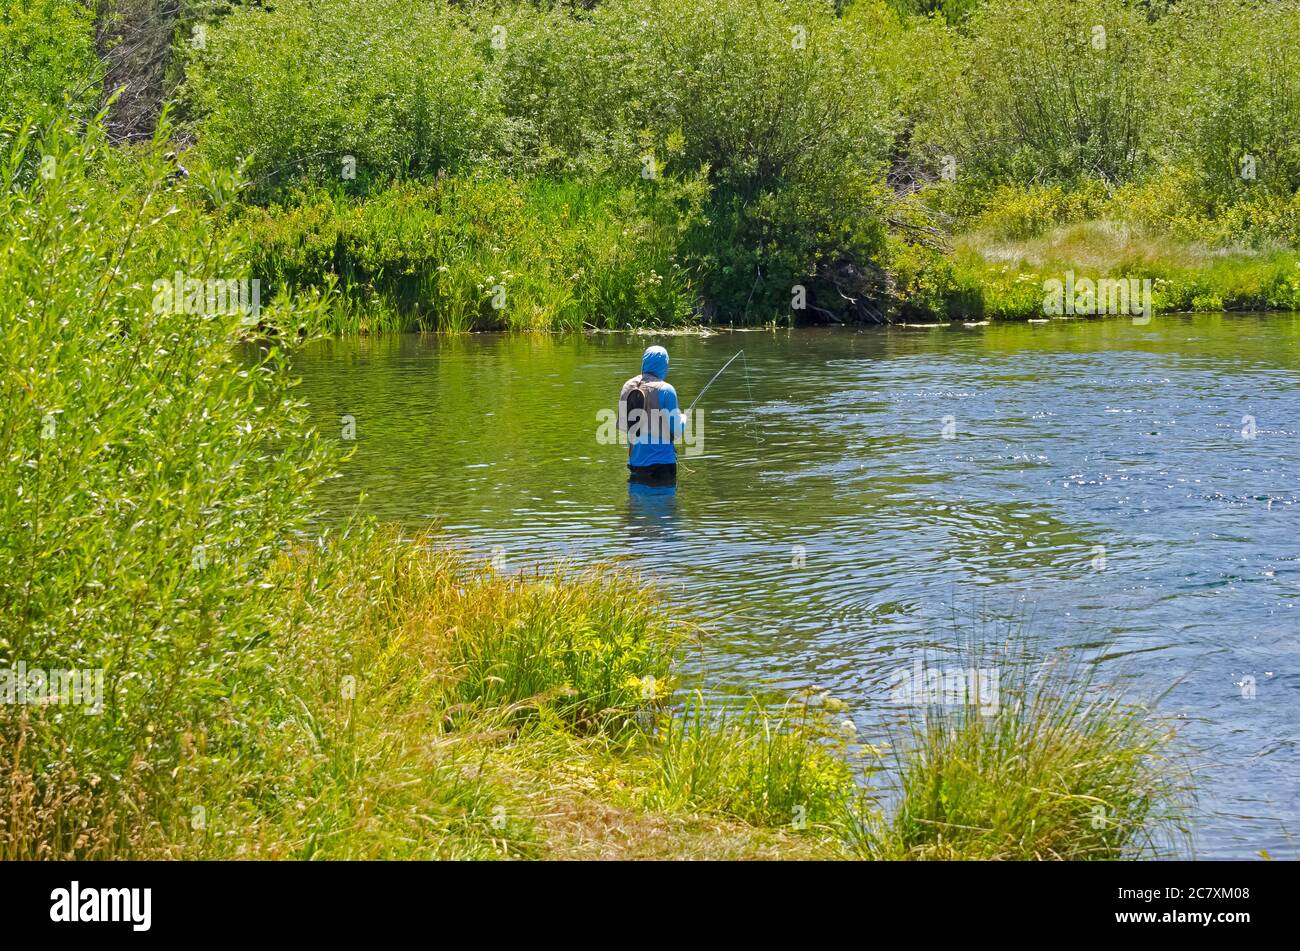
(648, 413)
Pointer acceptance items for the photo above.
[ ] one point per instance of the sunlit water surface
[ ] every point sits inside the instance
(1098, 483)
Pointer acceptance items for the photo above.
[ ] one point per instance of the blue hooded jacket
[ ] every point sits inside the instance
(651, 447)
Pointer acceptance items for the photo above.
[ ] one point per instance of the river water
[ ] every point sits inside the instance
(862, 498)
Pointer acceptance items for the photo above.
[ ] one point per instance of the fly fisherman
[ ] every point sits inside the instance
(648, 413)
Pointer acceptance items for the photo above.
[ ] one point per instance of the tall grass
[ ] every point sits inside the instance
(1004, 278)
(1063, 768)
(775, 767)
(421, 702)
(405, 659)
(460, 254)
(411, 703)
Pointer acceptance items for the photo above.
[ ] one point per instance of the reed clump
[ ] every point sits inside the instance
(1062, 767)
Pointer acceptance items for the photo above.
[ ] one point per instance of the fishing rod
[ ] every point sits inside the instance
(710, 383)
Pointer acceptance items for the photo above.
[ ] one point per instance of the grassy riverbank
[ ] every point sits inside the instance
(999, 278)
(245, 691)
(493, 165)
(430, 705)
(410, 703)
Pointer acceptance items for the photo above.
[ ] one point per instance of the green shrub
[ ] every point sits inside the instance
(1176, 202)
(777, 103)
(443, 254)
(917, 62)
(299, 88)
(1051, 91)
(1168, 201)
(1232, 104)
(47, 58)
(1017, 212)
(150, 476)
(754, 93)
(922, 279)
(565, 86)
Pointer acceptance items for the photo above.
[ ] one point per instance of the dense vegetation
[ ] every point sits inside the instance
(734, 153)
(47, 57)
(383, 164)
(504, 164)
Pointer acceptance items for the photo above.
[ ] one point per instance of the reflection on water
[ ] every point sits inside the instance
(651, 511)
(867, 496)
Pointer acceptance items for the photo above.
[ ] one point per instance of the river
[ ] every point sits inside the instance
(866, 497)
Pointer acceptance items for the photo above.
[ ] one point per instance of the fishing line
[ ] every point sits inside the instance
(700, 395)
(749, 386)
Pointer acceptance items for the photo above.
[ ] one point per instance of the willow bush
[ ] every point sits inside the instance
(149, 477)
(775, 108)
(795, 152)
(775, 103)
(1233, 98)
(47, 57)
(354, 92)
(1051, 91)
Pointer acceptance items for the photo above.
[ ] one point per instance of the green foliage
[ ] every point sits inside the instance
(1015, 211)
(916, 62)
(1188, 113)
(591, 652)
(779, 113)
(954, 11)
(775, 768)
(150, 476)
(1062, 768)
(297, 88)
(923, 280)
(47, 57)
(1175, 202)
(1232, 97)
(760, 96)
(1051, 91)
(756, 149)
(777, 103)
(1266, 219)
(561, 253)
(1167, 201)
